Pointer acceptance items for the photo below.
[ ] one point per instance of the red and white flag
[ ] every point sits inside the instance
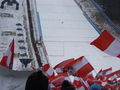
(102, 74)
(89, 77)
(107, 43)
(99, 75)
(63, 63)
(80, 66)
(48, 70)
(114, 75)
(59, 67)
(80, 84)
(107, 71)
(8, 58)
(56, 81)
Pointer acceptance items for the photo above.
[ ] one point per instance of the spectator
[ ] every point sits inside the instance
(66, 85)
(95, 87)
(10, 2)
(37, 81)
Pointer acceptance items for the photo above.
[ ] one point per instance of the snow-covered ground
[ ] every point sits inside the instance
(67, 34)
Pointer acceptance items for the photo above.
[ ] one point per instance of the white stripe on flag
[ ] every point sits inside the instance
(108, 72)
(50, 71)
(114, 48)
(81, 88)
(80, 64)
(8, 54)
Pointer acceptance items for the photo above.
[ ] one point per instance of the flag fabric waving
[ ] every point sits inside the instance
(107, 43)
(102, 74)
(80, 84)
(63, 63)
(56, 81)
(107, 71)
(80, 66)
(48, 70)
(8, 58)
(59, 67)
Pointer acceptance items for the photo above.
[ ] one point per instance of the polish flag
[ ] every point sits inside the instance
(80, 66)
(48, 70)
(7, 60)
(107, 43)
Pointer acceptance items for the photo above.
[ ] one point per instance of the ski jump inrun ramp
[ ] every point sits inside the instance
(67, 34)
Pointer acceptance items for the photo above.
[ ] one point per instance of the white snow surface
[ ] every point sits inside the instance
(67, 34)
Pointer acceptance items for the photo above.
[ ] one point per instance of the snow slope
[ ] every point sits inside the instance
(67, 34)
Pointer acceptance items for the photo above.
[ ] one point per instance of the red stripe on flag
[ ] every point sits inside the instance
(4, 62)
(118, 56)
(45, 67)
(103, 41)
(77, 84)
(63, 63)
(7, 60)
(82, 72)
(106, 70)
(73, 62)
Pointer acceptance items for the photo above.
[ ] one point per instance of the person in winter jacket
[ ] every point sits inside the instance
(95, 87)
(37, 81)
(10, 2)
(66, 85)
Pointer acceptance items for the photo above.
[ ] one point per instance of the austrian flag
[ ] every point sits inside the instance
(7, 60)
(80, 66)
(108, 43)
(48, 70)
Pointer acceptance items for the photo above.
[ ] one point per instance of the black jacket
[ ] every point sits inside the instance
(66, 85)
(37, 81)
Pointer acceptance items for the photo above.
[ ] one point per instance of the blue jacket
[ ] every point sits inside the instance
(95, 87)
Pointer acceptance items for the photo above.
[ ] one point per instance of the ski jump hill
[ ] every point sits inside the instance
(64, 31)
(67, 34)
